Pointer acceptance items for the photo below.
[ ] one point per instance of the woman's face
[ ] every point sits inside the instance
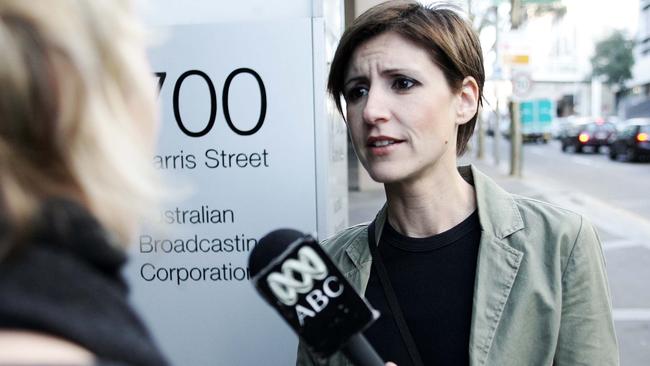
(401, 113)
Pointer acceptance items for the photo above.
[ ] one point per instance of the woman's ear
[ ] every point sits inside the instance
(468, 97)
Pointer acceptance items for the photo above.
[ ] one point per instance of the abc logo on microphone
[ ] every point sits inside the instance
(309, 291)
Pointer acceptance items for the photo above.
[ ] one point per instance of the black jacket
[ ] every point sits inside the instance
(65, 280)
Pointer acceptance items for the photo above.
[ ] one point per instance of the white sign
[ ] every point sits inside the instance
(521, 83)
(238, 130)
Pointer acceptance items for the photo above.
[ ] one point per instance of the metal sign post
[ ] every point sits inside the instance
(521, 86)
(515, 140)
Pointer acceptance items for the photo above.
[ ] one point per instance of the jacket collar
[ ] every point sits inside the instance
(497, 264)
(497, 210)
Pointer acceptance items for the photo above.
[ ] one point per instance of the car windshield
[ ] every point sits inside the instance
(601, 127)
(576, 129)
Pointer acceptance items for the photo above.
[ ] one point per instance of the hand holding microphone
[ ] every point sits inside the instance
(295, 276)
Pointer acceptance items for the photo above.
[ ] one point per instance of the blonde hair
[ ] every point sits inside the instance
(77, 112)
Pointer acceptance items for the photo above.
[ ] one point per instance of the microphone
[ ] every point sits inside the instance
(298, 279)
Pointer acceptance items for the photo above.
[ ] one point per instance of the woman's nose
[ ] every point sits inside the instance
(376, 108)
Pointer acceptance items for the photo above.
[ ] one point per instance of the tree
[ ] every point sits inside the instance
(613, 58)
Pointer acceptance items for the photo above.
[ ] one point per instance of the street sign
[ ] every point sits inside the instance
(521, 83)
(517, 59)
(230, 104)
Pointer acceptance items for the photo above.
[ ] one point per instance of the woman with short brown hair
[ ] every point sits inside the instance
(463, 272)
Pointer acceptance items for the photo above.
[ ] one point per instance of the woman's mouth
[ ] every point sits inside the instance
(382, 145)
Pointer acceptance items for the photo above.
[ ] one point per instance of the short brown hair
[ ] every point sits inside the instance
(450, 40)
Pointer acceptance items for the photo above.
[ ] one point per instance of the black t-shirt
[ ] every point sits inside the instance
(433, 279)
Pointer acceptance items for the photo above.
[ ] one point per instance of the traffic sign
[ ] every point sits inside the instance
(521, 84)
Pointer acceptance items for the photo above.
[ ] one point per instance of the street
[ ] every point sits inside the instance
(621, 184)
(614, 195)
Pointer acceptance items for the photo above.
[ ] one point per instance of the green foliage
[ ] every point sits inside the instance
(614, 58)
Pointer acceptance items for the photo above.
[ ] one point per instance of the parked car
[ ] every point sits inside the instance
(564, 124)
(632, 141)
(593, 135)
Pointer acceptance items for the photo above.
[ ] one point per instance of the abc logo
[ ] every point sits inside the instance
(297, 277)
(308, 266)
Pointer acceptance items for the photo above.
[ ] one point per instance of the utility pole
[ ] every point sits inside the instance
(496, 137)
(516, 18)
(480, 123)
(515, 140)
(516, 14)
(480, 138)
(497, 131)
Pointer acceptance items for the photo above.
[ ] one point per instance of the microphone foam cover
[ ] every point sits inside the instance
(270, 247)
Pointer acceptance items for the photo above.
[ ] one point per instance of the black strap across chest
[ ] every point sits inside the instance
(378, 264)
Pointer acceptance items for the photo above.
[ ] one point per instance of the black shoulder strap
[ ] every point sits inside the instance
(378, 264)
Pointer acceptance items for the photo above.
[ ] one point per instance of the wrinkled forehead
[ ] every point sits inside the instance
(384, 51)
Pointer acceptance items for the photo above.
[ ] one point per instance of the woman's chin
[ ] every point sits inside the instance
(385, 177)
(383, 171)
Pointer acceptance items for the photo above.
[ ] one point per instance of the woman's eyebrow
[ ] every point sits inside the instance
(400, 71)
(354, 79)
(384, 72)
(396, 70)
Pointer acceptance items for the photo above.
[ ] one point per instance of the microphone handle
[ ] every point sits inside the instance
(360, 352)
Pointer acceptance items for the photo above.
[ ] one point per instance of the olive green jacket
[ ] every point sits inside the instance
(541, 295)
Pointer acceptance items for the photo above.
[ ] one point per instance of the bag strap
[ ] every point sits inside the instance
(378, 264)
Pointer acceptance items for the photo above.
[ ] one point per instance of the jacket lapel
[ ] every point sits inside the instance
(497, 264)
(359, 254)
(496, 270)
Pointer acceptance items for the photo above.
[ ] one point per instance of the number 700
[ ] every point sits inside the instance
(213, 100)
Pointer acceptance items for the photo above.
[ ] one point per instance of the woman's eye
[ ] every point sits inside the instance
(403, 84)
(355, 93)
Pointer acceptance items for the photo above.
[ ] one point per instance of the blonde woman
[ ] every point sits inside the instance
(77, 127)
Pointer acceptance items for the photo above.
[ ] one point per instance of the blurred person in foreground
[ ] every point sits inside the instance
(463, 272)
(77, 131)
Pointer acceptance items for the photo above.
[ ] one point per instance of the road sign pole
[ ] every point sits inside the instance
(496, 129)
(496, 137)
(515, 140)
(480, 138)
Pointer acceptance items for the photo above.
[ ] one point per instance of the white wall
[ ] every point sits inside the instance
(224, 322)
(166, 12)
